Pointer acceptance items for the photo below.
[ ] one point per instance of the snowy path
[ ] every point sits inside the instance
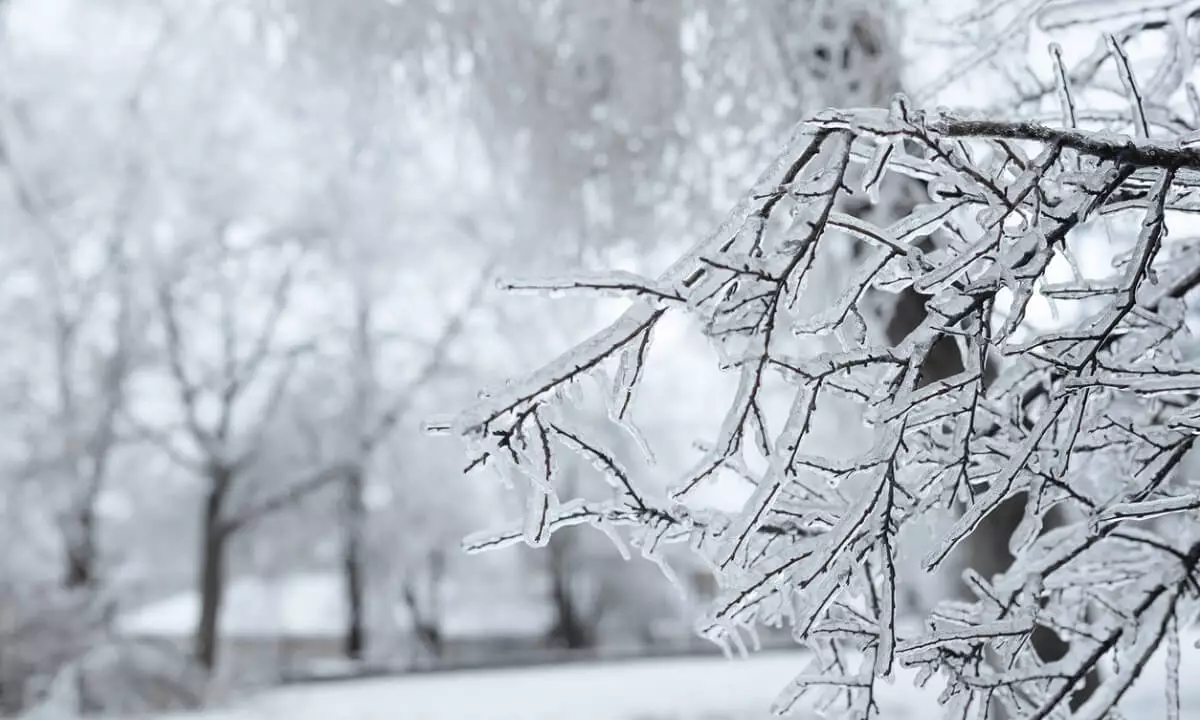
(678, 689)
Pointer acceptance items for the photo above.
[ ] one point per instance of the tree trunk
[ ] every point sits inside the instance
(212, 572)
(354, 518)
(426, 626)
(83, 547)
(570, 630)
(425, 609)
(81, 550)
(574, 629)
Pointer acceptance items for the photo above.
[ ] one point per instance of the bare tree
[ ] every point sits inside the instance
(92, 356)
(91, 315)
(227, 405)
(373, 424)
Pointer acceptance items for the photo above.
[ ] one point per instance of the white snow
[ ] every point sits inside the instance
(678, 689)
(313, 605)
(688, 689)
(487, 617)
(308, 604)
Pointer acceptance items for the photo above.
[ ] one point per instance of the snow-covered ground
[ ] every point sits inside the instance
(677, 689)
(313, 605)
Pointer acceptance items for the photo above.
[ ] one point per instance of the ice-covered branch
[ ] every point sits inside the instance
(1092, 417)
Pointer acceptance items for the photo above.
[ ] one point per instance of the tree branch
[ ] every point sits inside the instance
(1140, 152)
(240, 374)
(289, 497)
(187, 390)
(407, 395)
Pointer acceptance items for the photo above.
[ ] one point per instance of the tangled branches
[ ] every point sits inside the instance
(1093, 417)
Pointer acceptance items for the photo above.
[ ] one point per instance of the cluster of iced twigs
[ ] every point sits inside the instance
(1094, 417)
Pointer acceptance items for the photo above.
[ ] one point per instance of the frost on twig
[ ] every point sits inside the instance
(1094, 417)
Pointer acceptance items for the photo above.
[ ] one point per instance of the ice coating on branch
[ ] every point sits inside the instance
(1173, 656)
(1063, 13)
(1084, 418)
(538, 515)
(615, 283)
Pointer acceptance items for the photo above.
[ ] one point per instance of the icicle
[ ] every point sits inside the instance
(755, 639)
(853, 332)
(735, 637)
(629, 372)
(538, 510)
(608, 529)
(506, 470)
(875, 170)
(672, 577)
(721, 638)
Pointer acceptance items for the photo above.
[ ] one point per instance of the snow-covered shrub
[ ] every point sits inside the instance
(1091, 413)
(41, 629)
(58, 658)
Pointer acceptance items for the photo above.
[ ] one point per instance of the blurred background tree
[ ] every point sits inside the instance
(252, 243)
